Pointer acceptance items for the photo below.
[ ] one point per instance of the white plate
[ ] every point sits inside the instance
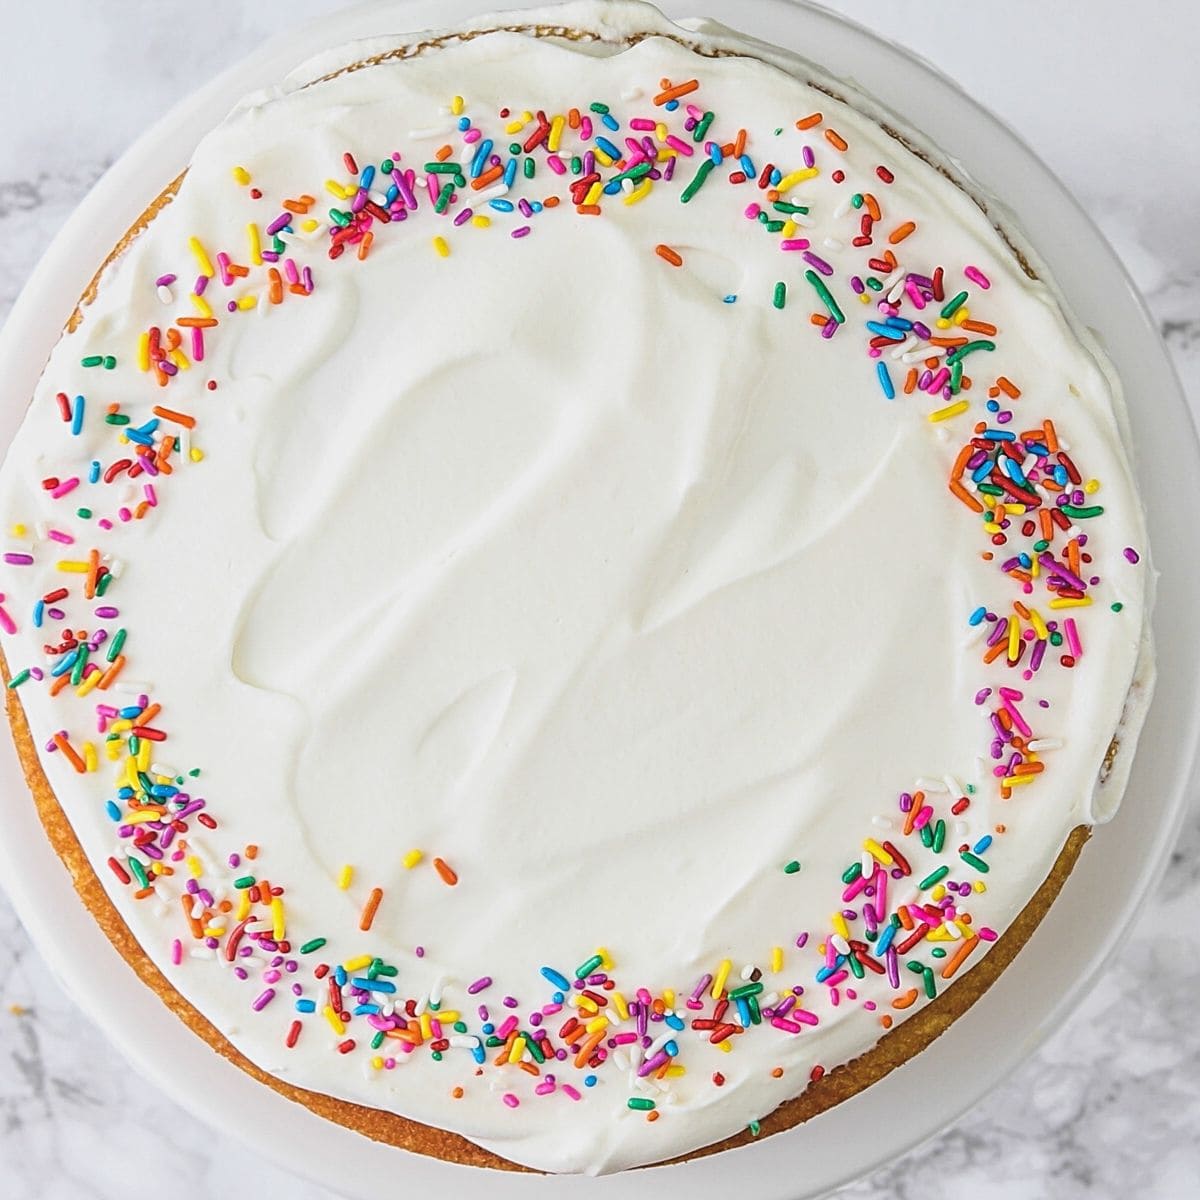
(1103, 893)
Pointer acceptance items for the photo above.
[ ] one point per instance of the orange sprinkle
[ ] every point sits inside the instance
(965, 496)
(906, 1000)
(364, 247)
(739, 144)
(193, 921)
(69, 753)
(836, 140)
(457, 1093)
(1051, 436)
(550, 202)
(170, 414)
(901, 232)
(671, 256)
(443, 153)
(777, 1073)
(959, 957)
(275, 294)
(573, 119)
(297, 206)
(652, 1115)
(196, 322)
(147, 714)
(488, 176)
(910, 381)
(446, 871)
(885, 1021)
(979, 327)
(586, 1049)
(89, 584)
(370, 909)
(871, 205)
(113, 671)
(809, 121)
(588, 210)
(673, 92)
(1009, 388)
(819, 319)
(251, 852)
(994, 652)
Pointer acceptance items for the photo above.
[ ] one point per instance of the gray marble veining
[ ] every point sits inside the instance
(1110, 1106)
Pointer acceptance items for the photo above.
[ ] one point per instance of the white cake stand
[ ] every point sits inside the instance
(1102, 895)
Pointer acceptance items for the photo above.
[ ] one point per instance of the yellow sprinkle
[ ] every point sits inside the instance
(951, 410)
(144, 352)
(344, 876)
(1039, 626)
(675, 1070)
(426, 1027)
(942, 323)
(603, 158)
(596, 190)
(480, 221)
(247, 301)
(639, 193)
(121, 726)
(309, 225)
(1069, 602)
(335, 1022)
(776, 959)
(18, 530)
(877, 852)
(1015, 780)
(556, 128)
(201, 306)
(358, 963)
(139, 817)
(201, 256)
(1014, 639)
(143, 757)
(620, 1005)
(89, 682)
(112, 750)
(180, 359)
(596, 1024)
(377, 1062)
(90, 761)
(992, 527)
(243, 908)
(788, 230)
(518, 1049)
(839, 925)
(193, 864)
(241, 175)
(939, 893)
(278, 927)
(448, 1016)
(718, 983)
(196, 454)
(457, 105)
(1092, 486)
(214, 931)
(439, 244)
(790, 181)
(979, 885)
(255, 244)
(515, 126)
(725, 1046)
(411, 859)
(73, 567)
(962, 315)
(586, 1004)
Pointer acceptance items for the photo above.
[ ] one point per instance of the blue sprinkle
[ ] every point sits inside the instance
(714, 152)
(893, 335)
(65, 664)
(1000, 435)
(536, 205)
(560, 981)
(993, 406)
(373, 985)
(557, 997)
(125, 793)
(390, 196)
(885, 380)
(672, 1047)
(602, 143)
(977, 615)
(39, 610)
(589, 1081)
(776, 176)
(367, 177)
(77, 416)
(747, 165)
(464, 123)
(885, 940)
(488, 1028)
(983, 843)
(730, 299)
(671, 105)
(501, 205)
(743, 1011)
(339, 976)
(610, 122)
(94, 472)
(477, 1053)
(362, 1009)
(113, 809)
(673, 1021)
(306, 1006)
(479, 162)
(510, 172)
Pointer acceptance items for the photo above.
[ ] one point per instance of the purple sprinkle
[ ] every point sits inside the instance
(1131, 554)
(106, 611)
(479, 984)
(521, 231)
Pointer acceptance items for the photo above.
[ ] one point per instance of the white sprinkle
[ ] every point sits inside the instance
(165, 294)
(936, 786)
(1039, 744)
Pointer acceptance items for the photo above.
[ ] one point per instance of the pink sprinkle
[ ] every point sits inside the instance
(1072, 637)
(197, 344)
(794, 244)
(19, 560)
(680, 146)
(511, 1100)
(975, 275)
(570, 1091)
(67, 485)
(585, 128)
(785, 1024)
(556, 164)
(176, 951)
(472, 136)
(6, 622)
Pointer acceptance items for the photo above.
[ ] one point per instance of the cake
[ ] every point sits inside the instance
(570, 598)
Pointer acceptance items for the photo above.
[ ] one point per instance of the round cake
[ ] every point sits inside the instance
(569, 598)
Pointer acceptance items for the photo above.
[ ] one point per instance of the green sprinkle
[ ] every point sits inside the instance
(856, 200)
(387, 971)
(444, 198)
(387, 166)
(586, 968)
(92, 360)
(930, 985)
(597, 107)
(790, 868)
(830, 303)
(641, 1103)
(114, 647)
(975, 861)
(534, 1049)
(933, 877)
(1116, 606)
(702, 173)
(436, 1055)
(138, 871)
(80, 663)
(953, 305)
(938, 952)
(1041, 544)
(755, 1128)
(956, 373)
(755, 1011)
(785, 206)
(377, 1040)
(939, 836)
(970, 348)
(459, 1027)
(855, 966)
(515, 147)
(991, 489)
(576, 164)
(310, 946)
(852, 872)
(104, 583)
(926, 836)
(19, 678)
(635, 172)
(444, 168)
(876, 285)
(773, 226)
(339, 218)
(493, 1041)
(529, 168)
(1078, 512)
(110, 362)
(780, 297)
(84, 514)
(116, 419)
(245, 881)
(747, 989)
(1056, 638)
(702, 127)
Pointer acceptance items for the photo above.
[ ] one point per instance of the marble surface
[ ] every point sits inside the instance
(1110, 1106)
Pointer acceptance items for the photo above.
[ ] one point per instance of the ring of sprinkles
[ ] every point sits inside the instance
(892, 939)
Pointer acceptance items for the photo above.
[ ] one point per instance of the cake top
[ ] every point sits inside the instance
(552, 572)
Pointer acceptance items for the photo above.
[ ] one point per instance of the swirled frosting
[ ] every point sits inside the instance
(611, 579)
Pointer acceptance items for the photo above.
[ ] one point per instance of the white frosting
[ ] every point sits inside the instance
(543, 559)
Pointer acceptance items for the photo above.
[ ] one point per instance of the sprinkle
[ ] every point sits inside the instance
(370, 909)
(449, 876)
(440, 245)
(669, 255)
(411, 859)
